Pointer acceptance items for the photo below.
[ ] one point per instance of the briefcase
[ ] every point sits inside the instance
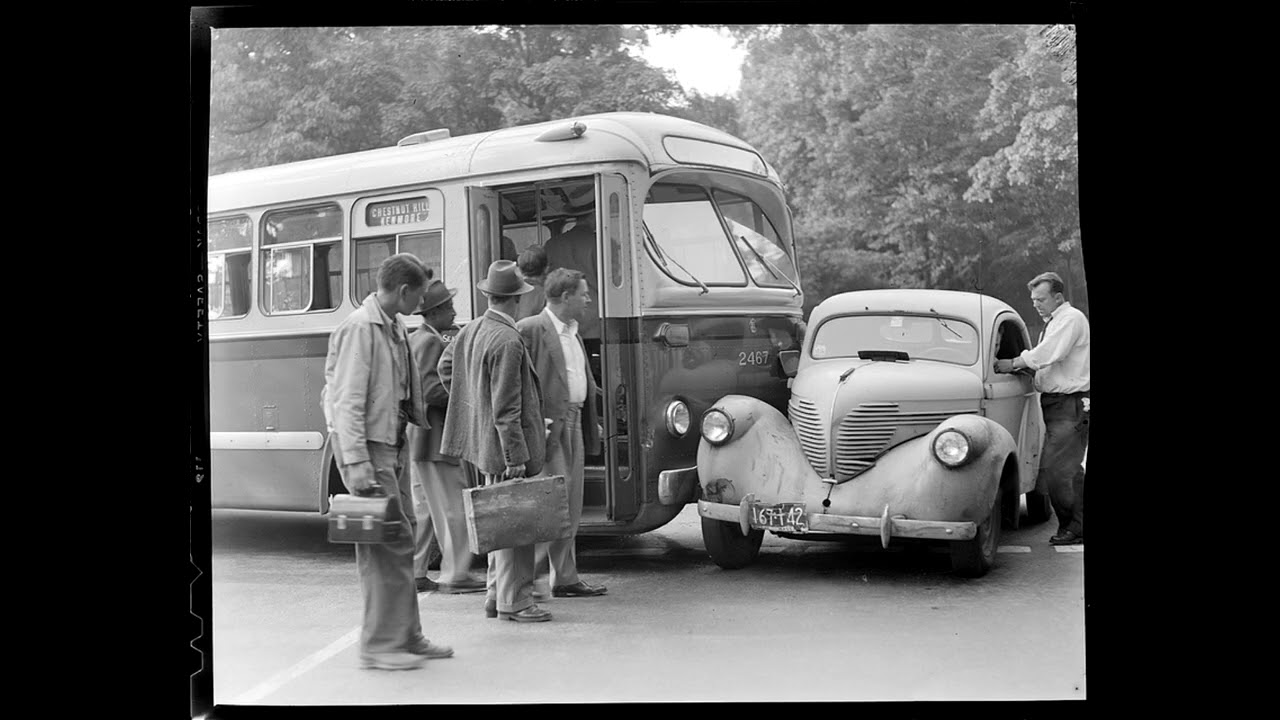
(518, 512)
(362, 519)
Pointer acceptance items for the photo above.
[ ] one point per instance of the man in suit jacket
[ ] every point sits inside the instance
(370, 395)
(568, 393)
(494, 421)
(439, 478)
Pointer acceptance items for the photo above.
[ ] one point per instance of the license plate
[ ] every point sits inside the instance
(788, 517)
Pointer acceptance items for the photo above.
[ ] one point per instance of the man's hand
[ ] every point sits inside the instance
(359, 477)
(513, 471)
(1004, 366)
(548, 422)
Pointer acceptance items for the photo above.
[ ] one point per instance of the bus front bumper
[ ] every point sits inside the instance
(797, 521)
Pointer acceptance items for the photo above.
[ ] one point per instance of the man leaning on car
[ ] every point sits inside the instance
(1061, 364)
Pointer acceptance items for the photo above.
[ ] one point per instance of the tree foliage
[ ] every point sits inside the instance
(914, 156)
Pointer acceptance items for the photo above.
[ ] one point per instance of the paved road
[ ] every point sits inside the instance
(810, 621)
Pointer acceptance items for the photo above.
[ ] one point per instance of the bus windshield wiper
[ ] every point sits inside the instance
(772, 268)
(662, 256)
(944, 324)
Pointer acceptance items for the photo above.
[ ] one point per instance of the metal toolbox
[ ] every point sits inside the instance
(363, 519)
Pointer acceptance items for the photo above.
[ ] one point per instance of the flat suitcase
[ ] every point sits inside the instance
(362, 519)
(518, 512)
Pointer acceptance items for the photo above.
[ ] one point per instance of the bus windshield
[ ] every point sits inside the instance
(702, 236)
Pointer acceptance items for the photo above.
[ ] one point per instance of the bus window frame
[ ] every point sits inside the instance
(724, 220)
(359, 230)
(222, 254)
(270, 249)
(724, 231)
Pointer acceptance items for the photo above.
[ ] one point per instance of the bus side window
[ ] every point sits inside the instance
(230, 248)
(301, 260)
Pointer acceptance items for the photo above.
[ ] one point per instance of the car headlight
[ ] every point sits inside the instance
(717, 427)
(677, 418)
(951, 447)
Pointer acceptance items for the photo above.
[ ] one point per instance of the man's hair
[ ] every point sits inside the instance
(403, 269)
(501, 298)
(1054, 280)
(561, 281)
(533, 261)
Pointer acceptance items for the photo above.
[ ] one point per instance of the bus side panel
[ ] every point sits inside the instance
(261, 389)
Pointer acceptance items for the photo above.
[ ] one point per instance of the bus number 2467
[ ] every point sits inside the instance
(759, 357)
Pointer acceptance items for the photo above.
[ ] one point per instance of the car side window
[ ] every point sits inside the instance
(1010, 343)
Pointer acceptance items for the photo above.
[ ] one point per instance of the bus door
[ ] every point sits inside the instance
(482, 214)
(619, 361)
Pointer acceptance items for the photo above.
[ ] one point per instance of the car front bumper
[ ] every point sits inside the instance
(886, 526)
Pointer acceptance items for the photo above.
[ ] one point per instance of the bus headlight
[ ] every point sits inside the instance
(951, 448)
(717, 427)
(677, 418)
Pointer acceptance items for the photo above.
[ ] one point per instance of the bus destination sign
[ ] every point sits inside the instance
(398, 212)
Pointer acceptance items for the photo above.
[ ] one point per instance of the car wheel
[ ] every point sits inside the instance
(974, 557)
(727, 546)
(1038, 507)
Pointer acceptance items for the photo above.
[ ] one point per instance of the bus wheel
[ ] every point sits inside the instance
(727, 546)
(1038, 507)
(973, 558)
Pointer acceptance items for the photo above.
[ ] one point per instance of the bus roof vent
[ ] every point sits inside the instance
(424, 137)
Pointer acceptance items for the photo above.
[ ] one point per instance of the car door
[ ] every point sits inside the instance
(1010, 399)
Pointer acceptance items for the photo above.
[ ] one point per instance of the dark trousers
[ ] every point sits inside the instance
(1066, 433)
(391, 621)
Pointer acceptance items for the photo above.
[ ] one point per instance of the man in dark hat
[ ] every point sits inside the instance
(441, 478)
(494, 421)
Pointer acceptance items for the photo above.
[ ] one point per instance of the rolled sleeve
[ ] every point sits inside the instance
(1059, 339)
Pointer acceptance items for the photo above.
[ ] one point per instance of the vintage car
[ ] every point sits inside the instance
(897, 426)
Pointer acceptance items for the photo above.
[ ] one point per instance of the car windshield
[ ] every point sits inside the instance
(921, 337)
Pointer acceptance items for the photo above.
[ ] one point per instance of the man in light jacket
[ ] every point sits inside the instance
(569, 393)
(371, 393)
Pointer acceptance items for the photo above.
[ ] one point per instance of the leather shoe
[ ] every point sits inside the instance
(392, 661)
(425, 584)
(578, 589)
(470, 585)
(490, 611)
(426, 649)
(531, 614)
(1067, 537)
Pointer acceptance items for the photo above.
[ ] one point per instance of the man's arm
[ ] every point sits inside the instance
(1059, 339)
(350, 389)
(506, 378)
(444, 367)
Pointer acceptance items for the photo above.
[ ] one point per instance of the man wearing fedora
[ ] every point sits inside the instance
(494, 421)
(569, 393)
(439, 478)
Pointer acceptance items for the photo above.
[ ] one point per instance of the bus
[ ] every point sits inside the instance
(683, 232)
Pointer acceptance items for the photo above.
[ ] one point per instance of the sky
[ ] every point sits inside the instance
(703, 59)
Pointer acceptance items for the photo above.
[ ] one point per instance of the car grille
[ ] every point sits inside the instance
(811, 431)
(863, 435)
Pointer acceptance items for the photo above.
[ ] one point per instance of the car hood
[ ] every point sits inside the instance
(911, 384)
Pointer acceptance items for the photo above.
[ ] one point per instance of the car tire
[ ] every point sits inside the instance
(974, 557)
(727, 546)
(1038, 507)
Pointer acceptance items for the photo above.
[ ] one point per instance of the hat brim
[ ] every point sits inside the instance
(428, 308)
(483, 286)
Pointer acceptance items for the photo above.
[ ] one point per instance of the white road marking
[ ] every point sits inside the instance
(1069, 548)
(277, 681)
(1014, 549)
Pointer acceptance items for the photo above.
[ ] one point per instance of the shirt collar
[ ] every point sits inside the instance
(1065, 304)
(572, 325)
(504, 315)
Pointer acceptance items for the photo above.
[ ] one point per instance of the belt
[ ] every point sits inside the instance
(1070, 394)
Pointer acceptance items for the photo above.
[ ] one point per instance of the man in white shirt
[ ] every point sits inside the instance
(1061, 364)
(569, 395)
